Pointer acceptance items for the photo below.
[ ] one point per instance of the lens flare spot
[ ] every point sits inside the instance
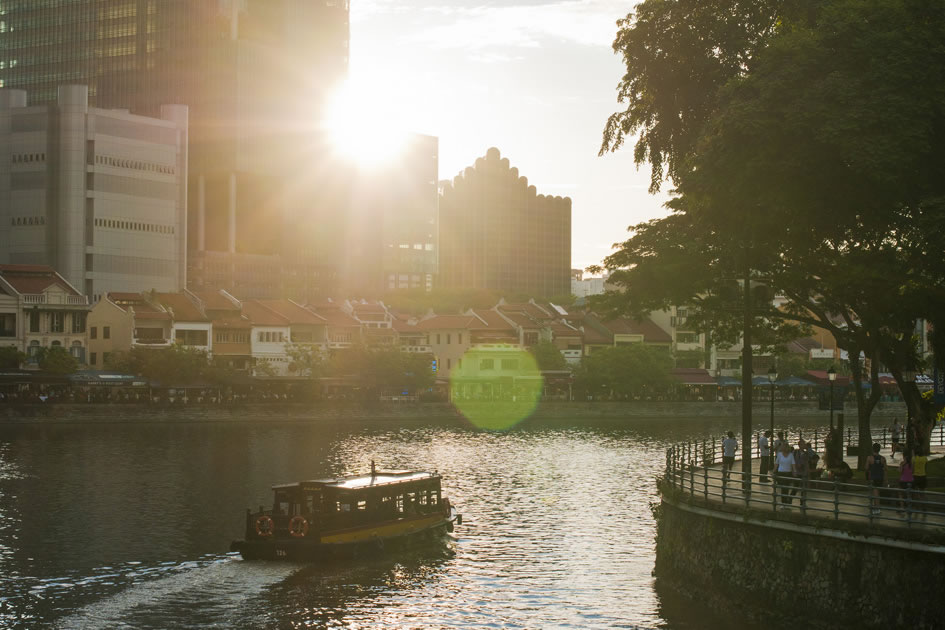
(497, 386)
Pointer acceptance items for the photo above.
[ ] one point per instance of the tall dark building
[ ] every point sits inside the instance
(254, 74)
(497, 232)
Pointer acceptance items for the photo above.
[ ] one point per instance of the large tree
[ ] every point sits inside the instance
(816, 166)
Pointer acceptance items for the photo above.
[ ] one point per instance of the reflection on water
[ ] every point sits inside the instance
(121, 526)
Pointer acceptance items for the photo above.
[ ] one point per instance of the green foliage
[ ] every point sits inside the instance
(305, 359)
(176, 365)
(625, 370)
(441, 301)
(384, 367)
(548, 357)
(809, 159)
(11, 357)
(689, 358)
(57, 360)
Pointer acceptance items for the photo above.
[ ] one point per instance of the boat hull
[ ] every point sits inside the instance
(359, 542)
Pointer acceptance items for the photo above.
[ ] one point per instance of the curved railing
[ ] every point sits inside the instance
(694, 469)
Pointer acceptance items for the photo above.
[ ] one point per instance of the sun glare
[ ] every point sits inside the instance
(363, 127)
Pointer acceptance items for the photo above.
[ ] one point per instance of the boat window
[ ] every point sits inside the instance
(423, 496)
(281, 504)
(362, 505)
(400, 503)
(310, 503)
(343, 507)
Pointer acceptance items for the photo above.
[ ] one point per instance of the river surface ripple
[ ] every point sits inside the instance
(128, 526)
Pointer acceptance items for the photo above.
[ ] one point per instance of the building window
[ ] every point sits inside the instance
(459, 337)
(93, 358)
(509, 364)
(106, 332)
(448, 337)
(105, 357)
(57, 323)
(34, 321)
(93, 332)
(687, 337)
(78, 322)
(449, 364)
(8, 325)
(486, 364)
(438, 338)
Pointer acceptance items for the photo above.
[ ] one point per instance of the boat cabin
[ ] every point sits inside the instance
(350, 502)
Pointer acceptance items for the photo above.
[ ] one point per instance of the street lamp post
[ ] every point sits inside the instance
(831, 376)
(772, 377)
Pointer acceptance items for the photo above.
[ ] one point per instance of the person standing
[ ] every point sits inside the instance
(876, 469)
(765, 453)
(906, 480)
(785, 469)
(801, 471)
(896, 431)
(729, 446)
(919, 479)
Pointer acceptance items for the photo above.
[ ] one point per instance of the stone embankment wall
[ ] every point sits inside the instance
(256, 412)
(777, 572)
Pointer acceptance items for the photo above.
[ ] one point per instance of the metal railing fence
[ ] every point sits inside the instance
(816, 436)
(692, 468)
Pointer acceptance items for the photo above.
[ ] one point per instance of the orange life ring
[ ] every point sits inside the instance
(264, 526)
(298, 526)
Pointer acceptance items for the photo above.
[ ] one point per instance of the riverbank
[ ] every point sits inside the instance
(54, 413)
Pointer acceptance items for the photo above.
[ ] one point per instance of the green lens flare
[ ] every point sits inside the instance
(496, 386)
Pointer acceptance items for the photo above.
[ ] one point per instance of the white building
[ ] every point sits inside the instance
(100, 195)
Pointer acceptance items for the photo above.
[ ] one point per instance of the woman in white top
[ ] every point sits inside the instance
(785, 468)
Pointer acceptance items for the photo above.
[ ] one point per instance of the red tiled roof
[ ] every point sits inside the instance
(594, 336)
(335, 317)
(150, 314)
(404, 327)
(447, 322)
(367, 308)
(650, 331)
(493, 321)
(214, 300)
(527, 308)
(522, 320)
(293, 312)
(261, 315)
(183, 309)
(32, 279)
(116, 296)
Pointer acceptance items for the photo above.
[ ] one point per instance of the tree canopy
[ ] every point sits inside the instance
(805, 150)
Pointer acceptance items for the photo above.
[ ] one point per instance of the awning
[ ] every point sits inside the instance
(693, 376)
(819, 377)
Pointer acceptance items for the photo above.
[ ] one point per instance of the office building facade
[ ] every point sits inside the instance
(254, 74)
(100, 195)
(497, 232)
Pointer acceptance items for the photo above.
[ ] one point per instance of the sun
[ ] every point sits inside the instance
(365, 125)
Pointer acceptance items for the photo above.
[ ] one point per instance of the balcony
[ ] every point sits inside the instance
(419, 349)
(55, 299)
(151, 342)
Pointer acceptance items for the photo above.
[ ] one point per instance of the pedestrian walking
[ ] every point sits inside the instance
(801, 471)
(785, 469)
(765, 453)
(896, 432)
(729, 446)
(906, 480)
(876, 470)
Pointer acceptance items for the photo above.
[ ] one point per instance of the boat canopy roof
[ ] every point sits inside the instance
(355, 482)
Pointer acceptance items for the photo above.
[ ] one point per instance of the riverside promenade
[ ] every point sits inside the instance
(847, 557)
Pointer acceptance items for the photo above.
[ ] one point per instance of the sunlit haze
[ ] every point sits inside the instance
(365, 121)
(535, 78)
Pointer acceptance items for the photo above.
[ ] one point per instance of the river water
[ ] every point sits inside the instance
(129, 525)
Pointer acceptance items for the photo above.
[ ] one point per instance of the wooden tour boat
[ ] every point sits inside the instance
(325, 518)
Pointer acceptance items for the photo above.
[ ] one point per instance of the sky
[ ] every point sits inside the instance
(535, 78)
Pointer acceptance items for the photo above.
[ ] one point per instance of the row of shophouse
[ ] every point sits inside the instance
(39, 308)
